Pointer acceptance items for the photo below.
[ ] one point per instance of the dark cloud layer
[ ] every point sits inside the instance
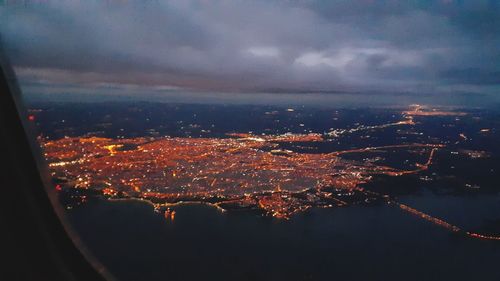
(357, 45)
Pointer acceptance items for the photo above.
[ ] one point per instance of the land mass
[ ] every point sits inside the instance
(238, 171)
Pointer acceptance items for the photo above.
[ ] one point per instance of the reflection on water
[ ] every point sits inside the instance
(355, 243)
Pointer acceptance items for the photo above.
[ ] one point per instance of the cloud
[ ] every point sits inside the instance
(256, 45)
(264, 51)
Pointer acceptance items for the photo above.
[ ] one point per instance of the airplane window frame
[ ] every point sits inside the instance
(38, 242)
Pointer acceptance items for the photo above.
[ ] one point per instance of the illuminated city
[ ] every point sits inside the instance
(243, 170)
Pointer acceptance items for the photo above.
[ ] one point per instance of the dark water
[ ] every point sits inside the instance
(352, 243)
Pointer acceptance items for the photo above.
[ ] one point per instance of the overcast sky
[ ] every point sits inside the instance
(257, 46)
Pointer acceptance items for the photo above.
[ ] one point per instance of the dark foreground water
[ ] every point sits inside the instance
(352, 243)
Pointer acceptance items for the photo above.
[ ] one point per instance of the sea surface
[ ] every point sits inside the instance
(378, 242)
